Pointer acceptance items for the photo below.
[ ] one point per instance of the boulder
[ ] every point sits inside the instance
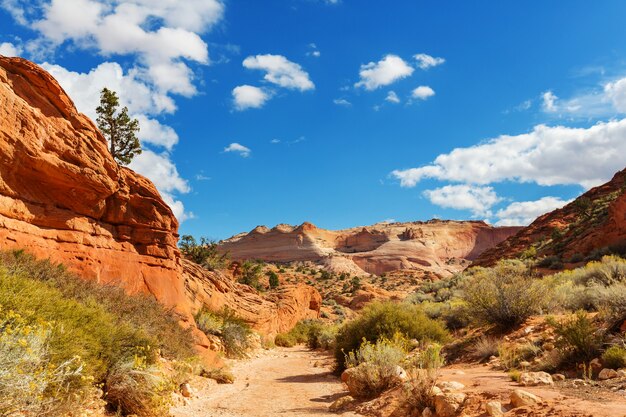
(531, 379)
(448, 404)
(427, 412)
(186, 390)
(341, 403)
(520, 398)
(607, 373)
(495, 409)
(558, 377)
(450, 386)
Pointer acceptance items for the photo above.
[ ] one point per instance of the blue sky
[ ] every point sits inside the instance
(348, 112)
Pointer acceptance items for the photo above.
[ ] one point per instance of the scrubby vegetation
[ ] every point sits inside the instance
(313, 333)
(205, 253)
(61, 336)
(383, 320)
(235, 334)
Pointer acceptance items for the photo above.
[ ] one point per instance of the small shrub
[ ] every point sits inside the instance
(250, 273)
(220, 375)
(205, 253)
(515, 375)
(383, 320)
(234, 332)
(577, 257)
(504, 295)
(579, 339)
(509, 357)
(611, 302)
(484, 348)
(285, 340)
(614, 357)
(273, 279)
(133, 388)
(423, 372)
(375, 365)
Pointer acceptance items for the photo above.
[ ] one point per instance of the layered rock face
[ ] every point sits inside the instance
(63, 197)
(277, 312)
(438, 246)
(596, 219)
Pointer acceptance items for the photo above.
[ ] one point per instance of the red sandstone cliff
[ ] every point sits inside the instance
(63, 197)
(574, 229)
(442, 247)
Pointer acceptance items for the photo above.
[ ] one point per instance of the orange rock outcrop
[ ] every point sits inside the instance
(574, 229)
(63, 197)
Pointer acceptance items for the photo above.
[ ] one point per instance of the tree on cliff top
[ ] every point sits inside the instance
(118, 128)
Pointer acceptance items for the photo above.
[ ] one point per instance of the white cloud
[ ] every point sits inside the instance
(9, 49)
(615, 92)
(342, 102)
(280, 71)
(422, 92)
(546, 156)
(153, 132)
(384, 72)
(478, 200)
(249, 97)
(525, 212)
(549, 101)
(426, 61)
(314, 52)
(238, 148)
(392, 97)
(160, 33)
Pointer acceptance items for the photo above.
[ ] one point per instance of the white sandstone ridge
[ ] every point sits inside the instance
(439, 246)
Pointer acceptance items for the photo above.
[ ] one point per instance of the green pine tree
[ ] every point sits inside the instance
(118, 128)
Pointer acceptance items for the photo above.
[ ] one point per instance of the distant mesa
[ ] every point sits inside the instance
(440, 246)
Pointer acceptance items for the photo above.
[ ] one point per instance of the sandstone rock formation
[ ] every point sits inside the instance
(595, 220)
(442, 247)
(277, 312)
(63, 197)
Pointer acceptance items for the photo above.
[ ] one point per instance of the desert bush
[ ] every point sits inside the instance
(273, 279)
(221, 375)
(609, 271)
(250, 273)
(509, 356)
(579, 339)
(234, 332)
(285, 340)
(504, 295)
(133, 387)
(205, 253)
(484, 348)
(376, 365)
(577, 257)
(383, 320)
(614, 357)
(423, 372)
(141, 312)
(551, 262)
(611, 302)
(30, 382)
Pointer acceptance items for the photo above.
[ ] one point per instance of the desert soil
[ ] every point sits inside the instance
(298, 382)
(280, 382)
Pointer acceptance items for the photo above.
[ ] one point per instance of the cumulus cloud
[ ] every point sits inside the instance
(425, 61)
(423, 92)
(525, 212)
(280, 71)
(249, 97)
(546, 156)
(162, 34)
(615, 92)
(239, 149)
(392, 97)
(477, 199)
(9, 49)
(384, 72)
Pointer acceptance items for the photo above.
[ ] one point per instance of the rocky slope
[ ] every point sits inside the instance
(441, 247)
(595, 220)
(63, 197)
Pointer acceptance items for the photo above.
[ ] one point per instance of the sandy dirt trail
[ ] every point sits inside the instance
(281, 382)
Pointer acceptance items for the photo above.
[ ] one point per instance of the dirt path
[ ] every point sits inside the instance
(281, 382)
